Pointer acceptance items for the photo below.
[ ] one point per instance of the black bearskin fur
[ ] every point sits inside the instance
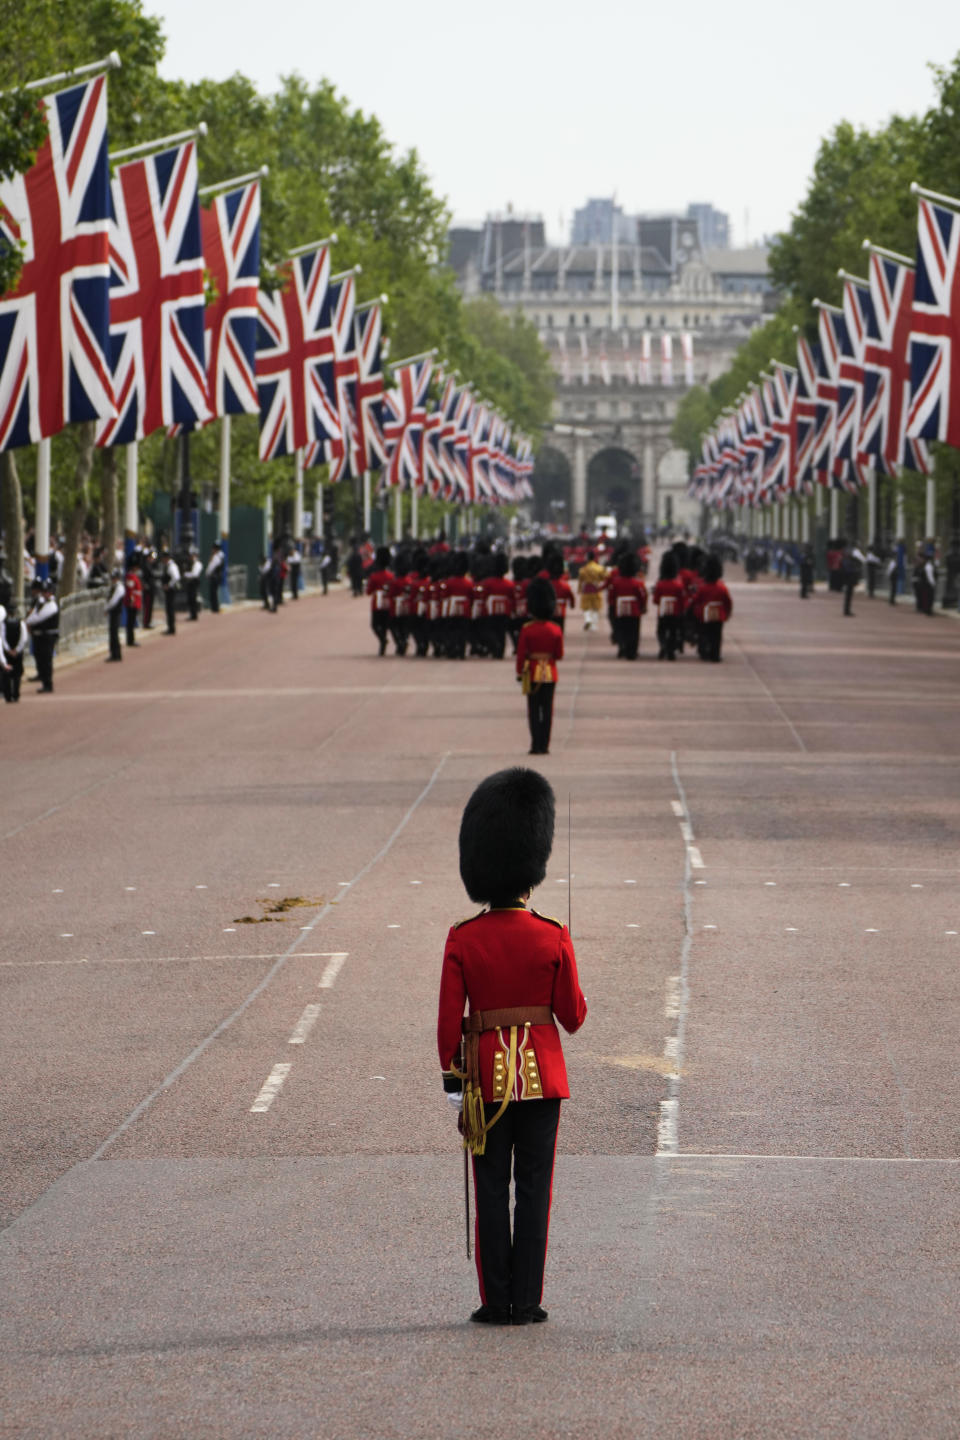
(506, 836)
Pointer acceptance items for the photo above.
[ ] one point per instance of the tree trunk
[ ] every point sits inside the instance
(12, 520)
(110, 523)
(86, 436)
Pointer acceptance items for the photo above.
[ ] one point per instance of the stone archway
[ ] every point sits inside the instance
(552, 488)
(614, 484)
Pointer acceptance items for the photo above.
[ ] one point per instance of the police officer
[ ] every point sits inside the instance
(13, 642)
(215, 577)
(43, 622)
(114, 609)
(192, 577)
(169, 580)
(516, 971)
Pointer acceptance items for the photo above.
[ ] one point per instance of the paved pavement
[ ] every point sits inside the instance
(230, 1184)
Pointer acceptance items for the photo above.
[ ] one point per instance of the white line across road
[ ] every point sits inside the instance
(171, 959)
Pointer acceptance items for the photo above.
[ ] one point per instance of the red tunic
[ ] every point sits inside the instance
(667, 590)
(457, 597)
(540, 637)
(379, 585)
(133, 596)
(628, 597)
(399, 591)
(715, 594)
(503, 958)
(498, 595)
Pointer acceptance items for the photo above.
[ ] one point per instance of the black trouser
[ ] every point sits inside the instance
(626, 629)
(294, 582)
(192, 588)
(669, 635)
(169, 600)
(456, 631)
(398, 628)
(871, 580)
(147, 609)
(131, 625)
(711, 639)
(215, 593)
(114, 618)
(498, 635)
(894, 587)
(12, 677)
(510, 1266)
(265, 591)
(380, 625)
(540, 717)
(848, 588)
(43, 648)
(806, 581)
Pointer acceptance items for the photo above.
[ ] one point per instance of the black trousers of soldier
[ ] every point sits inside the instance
(498, 635)
(131, 615)
(456, 635)
(380, 625)
(626, 629)
(540, 718)
(147, 609)
(215, 594)
(169, 600)
(11, 679)
(669, 635)
(114, 617)
(711, 639)
(43, 648)
(398, 630)
(510, 1261)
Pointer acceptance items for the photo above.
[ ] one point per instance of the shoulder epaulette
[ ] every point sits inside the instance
(468, 918)
(550, 919)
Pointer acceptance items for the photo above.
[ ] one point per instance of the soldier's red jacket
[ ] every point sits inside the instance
(713, 594)
(561, 588)
(379, 583)
(631, 590)
(503, 958)
(498, 595)
(540, 637)
(674, 588)
(458, 596)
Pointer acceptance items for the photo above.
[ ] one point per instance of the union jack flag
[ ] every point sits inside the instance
(479, 454)
(828, 374)
(934, 369)
(54, 328)
(886, 402)
(857, 308)
(156, 298)
(343, 454)
(431, 463)
(780, 474)
(462, 442)
(371, 446)
(404, 415)
(809, 361)
(231, 252)
(295, 359)
(447, 431)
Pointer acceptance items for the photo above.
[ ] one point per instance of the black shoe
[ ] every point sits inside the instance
(493, 1315)
(528, 1315)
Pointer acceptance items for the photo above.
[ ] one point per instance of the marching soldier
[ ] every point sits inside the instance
(668, 598)
(517, 973)
(379, 583)
(712, 608)
(539, 648)
(628, 598)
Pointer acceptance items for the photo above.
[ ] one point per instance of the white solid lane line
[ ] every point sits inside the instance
(271, 1089)
(304, 1025)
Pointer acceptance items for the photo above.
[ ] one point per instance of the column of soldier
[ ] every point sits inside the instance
(456, 603)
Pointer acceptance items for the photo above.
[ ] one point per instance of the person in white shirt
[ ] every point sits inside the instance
(115, 601)
(215, 577)
(13, 643)
(169, 579)
(192, 576)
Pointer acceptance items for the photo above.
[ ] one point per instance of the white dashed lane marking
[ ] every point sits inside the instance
(304, 1025)
(270, 1089)
(334, 965)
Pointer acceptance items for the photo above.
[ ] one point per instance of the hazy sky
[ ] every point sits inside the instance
(543, 104)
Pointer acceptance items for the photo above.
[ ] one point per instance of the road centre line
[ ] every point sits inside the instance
(679, 995)
(275, 969)
(304, 1025)
(818, 1159)
(271, 1089)
(162, 959)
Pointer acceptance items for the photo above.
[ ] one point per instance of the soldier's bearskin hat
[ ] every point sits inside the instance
(506, 836)
(541, 598)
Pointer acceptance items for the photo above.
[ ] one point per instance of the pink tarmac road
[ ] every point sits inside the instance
(230, 1185)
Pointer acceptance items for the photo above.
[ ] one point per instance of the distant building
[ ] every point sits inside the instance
(714, 226)
(593, 224)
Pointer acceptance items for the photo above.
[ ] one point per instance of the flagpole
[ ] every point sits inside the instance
(234, 184)
(298, 497)
(42, 526)
(131, 514)
(318, 511)
(197, 133)
(414, 510)
(398, 515)
(109, 62)
(890, 254)
(225, 501)
(950, 200)
(366, 502)
(314, 245)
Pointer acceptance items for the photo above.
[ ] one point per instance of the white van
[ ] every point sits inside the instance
(607, 523)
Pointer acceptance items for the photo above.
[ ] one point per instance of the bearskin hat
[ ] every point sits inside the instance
(541, 598)
(506, 835)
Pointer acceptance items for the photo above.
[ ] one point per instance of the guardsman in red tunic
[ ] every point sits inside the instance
(133, 600)
(399, 589)
(539, 648)
(516, 973)
(498, 601)
(628, 601)
(379, 583)
(669, 600)
(553, 570)
(457, 605)
(712, 608)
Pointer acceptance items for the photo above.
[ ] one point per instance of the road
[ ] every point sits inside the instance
(230, 1185)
